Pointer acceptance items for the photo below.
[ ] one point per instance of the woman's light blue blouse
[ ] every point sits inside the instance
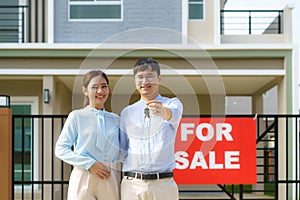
(93, 135)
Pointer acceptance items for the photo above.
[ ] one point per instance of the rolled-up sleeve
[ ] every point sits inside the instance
(176, 108)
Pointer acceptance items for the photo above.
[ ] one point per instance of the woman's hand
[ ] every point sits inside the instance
(100, 170)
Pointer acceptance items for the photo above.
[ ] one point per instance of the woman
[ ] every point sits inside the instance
(93, 134)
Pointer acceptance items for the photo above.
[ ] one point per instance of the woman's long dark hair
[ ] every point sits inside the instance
(86, 80)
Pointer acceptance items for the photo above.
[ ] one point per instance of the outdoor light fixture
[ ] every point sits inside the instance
(4, 101)
(46, 96)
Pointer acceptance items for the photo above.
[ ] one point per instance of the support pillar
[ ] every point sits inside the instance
(257, 108)
(282, 160)
(48, 109)
(257, 104)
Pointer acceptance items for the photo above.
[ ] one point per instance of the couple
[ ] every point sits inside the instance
(142, 137)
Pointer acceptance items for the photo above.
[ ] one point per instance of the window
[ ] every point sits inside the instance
(95, 10)
(22, 144)
(25, 140)
(196, 9)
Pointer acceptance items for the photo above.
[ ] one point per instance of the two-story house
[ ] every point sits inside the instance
(47, 45)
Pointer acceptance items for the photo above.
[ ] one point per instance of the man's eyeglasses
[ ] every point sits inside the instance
(149, 78)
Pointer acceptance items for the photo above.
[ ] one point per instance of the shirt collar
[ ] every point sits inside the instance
(92, 109)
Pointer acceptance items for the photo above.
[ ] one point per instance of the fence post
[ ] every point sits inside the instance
(6, 153)
(250, 23)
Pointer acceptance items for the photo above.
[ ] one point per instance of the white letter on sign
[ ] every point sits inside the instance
(230, 157)
(210, 132)
(181, 156)
(198, 160)
(185, 131)
(224, 129)
(212, 161)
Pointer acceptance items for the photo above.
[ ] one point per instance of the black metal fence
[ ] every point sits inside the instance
(251, 22)
(38, 174)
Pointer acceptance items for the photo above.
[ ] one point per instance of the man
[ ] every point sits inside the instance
(149, 127)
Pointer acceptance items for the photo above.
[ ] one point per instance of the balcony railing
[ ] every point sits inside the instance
(23, 23)
(26, 23)
(251, 22)
(12, 23)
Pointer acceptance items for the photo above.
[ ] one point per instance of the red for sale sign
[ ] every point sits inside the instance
(216, 151)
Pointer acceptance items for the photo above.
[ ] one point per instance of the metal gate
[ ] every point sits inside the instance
(38, 174)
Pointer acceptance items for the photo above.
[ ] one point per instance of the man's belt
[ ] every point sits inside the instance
(152, 176)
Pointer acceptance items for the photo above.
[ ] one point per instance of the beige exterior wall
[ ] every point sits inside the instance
(199, 93)
(62, 97)
(204, 31)
(269, 38)
(30, 86)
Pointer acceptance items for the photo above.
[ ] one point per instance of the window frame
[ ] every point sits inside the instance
(26, 10)
(196, 3)
(95, 2)
(33, 101)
